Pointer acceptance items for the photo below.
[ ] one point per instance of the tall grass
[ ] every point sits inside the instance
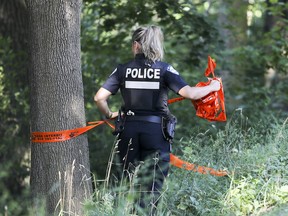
(255, 156)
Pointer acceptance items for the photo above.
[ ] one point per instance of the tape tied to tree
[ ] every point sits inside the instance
(59, 136)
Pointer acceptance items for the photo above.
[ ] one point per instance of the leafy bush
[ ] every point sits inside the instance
(257, 164)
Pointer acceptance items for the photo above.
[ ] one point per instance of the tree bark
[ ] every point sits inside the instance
(270, 19)
(232, 18)
(60, 171)
(13, 22)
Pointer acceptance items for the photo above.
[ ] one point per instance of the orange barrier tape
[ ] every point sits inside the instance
(59, 136)
(175, 161)
(173, 100)
(212, 106)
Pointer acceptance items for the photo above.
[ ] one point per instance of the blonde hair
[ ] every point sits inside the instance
(151, 40)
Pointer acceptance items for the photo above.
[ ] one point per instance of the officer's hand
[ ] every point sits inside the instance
(114, 115)
(215, 85)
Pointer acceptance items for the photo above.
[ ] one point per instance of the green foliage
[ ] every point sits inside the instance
(256, 162)
(263, 181)
(14, 130)
(274, 42)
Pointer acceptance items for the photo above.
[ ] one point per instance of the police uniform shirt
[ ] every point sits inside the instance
(144, 85)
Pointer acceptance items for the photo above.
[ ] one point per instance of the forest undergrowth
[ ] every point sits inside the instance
(255, 155)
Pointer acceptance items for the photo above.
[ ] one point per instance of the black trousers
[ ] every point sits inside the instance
(144, 152)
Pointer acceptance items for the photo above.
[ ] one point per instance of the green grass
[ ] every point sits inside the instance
(257, 161)
(277, 211)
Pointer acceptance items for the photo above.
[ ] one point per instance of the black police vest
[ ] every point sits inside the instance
(143, 87)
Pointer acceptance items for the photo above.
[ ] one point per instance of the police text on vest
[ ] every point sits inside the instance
(149, 73)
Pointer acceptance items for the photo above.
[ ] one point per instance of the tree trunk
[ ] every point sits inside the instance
(232, 18)
(13, 23)
(60, 171)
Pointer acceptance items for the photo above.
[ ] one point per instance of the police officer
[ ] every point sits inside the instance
(144, 83)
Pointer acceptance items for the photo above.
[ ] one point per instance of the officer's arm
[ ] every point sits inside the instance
(195, 93)
(100, 99)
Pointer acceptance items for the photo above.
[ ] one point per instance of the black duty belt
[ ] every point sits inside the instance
(149, 118)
